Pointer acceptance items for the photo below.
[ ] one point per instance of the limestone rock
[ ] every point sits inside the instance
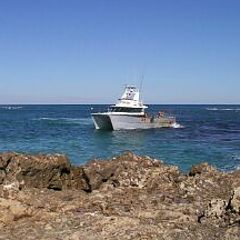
(40, 171)
(201, 168)
(235, 201)
(126, 197)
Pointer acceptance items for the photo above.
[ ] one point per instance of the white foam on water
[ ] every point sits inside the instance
(48, 119)
(222, 109)
(11, 107)
(177, 125)
(212, 109)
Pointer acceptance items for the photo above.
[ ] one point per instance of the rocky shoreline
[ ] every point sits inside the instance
(127, 197)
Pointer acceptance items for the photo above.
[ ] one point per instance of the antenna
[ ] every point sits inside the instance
(141, 83)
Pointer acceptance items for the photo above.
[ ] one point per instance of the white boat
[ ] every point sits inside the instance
(129, 113)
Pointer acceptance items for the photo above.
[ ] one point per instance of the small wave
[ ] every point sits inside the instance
(236, 165)
(66, 120)
(220, 129)
(11, 107)
(229, 130)
(236, 157)
(233, 169)
(222, 109)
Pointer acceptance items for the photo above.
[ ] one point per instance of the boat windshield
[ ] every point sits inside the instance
(125, 109)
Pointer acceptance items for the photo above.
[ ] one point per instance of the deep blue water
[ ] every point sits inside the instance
(211, 133)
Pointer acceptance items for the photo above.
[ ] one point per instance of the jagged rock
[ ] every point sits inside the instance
(40, 171)
(201, 168)
(130, 170)
(216, 208)
(232, 233)
(235, 201)
(126, 197)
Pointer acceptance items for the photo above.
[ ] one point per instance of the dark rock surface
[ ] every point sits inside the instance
(127, 197)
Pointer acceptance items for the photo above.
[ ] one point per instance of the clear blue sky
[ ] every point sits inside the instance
(84, 51)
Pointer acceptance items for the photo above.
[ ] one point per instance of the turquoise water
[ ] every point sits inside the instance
(210, 133)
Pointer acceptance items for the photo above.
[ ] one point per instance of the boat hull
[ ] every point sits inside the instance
(136, 122)
(110, 121)
(102, 121)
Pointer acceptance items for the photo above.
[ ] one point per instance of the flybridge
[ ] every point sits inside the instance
(131, 93)
(130, 98)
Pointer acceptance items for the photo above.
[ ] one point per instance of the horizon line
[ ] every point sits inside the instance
(18, 104)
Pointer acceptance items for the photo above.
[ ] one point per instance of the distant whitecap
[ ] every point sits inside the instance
(222, 109)
(11, 107)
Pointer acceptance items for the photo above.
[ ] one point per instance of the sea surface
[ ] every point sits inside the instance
(211, 133)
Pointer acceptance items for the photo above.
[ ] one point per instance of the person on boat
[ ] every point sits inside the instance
(161, 114)
(152, 119)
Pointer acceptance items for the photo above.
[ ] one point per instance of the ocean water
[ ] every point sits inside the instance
(211, 133)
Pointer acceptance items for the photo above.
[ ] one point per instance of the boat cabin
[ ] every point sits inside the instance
(126, 109)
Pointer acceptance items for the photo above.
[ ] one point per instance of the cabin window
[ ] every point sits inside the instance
(131, 110)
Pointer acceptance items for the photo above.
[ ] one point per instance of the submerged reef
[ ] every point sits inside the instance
(126, 197)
